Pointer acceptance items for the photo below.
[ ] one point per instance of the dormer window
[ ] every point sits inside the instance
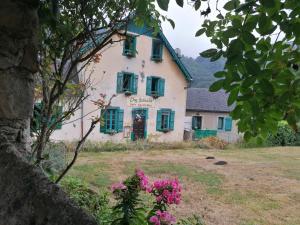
(129, 48)
(157, 48)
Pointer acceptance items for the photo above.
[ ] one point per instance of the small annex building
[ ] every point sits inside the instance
(207, 114)
(150, 83)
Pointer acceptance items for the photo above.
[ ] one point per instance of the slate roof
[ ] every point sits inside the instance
(143, 30)
(201, 99)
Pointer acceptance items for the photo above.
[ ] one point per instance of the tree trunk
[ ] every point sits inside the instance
(18, 64)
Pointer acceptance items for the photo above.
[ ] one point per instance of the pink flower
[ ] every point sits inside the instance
(143, 179)
(167, 191)
(118, 186)
(163, 218)
(154, 220)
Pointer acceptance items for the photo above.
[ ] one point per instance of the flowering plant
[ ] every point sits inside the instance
(129, 210)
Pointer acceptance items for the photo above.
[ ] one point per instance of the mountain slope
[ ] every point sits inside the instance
(202, 70)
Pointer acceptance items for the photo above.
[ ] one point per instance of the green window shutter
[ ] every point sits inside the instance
(134, 83)
(119, 120)
(171, 120)
(228, 124)
(158, 120)
(194, 122)
(133, 46)
(161, 87)
(103, 122)
(120, 83)
(148, 86)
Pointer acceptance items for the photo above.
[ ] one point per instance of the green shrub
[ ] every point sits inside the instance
(96, 204)
(285, 136)
(256, 142)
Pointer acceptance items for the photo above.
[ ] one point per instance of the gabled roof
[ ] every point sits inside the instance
(201, 99)
(149, 32)
(143, 30)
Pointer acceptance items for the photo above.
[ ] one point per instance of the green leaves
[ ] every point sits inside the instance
(259, 72)
(180, 2)
(252, 67)
(235, 48)
(233, 96)
(268, 3)
(209, 53)
(265, 25)
(216, 86)
(200, 32)
(231, 5)
(163, 4)
(197, 4)
(172, 23)
(248, 38)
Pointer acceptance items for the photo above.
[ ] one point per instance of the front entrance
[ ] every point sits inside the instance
(139, 118)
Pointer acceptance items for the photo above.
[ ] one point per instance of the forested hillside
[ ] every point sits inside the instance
(202, 70)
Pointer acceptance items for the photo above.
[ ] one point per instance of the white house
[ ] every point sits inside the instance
(207, 114)
(150, 84)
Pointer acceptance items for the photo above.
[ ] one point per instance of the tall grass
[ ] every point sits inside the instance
(92, 146)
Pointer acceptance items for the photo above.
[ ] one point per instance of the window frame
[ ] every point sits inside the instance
(223, 119)
(157, 57)
(195, 122)
(113, 120)
(170, 114)
(133, 83)
(160, 86)
(131, 52)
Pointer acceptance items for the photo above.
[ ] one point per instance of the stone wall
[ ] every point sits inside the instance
(27, 197)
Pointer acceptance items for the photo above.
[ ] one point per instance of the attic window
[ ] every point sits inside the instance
(129, 48)
(157, 48)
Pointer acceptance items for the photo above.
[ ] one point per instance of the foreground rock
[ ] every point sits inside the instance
(27, 197)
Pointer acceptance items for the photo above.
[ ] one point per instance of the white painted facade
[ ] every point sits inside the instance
(210, 122)
(104, 80)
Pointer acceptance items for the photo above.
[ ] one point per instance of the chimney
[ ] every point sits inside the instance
(178, 52)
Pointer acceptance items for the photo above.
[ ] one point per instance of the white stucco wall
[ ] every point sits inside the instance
(210, 122)
(104, 79)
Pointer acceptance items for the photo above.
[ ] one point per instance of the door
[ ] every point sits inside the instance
(139, 117)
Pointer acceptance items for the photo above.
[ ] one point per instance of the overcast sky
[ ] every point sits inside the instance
(187, 22)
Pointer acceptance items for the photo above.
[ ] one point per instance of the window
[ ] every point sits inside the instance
(37, 117)
(157, 48)
(228, 124)
(127, 83)
(112, 121)
(196, 122)
(155, 87)
(220, 123)
(129, 48)
(165, 120)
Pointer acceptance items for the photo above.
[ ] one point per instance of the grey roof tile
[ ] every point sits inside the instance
(201, 99)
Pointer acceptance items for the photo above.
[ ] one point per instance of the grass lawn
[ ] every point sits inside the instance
(256, 186)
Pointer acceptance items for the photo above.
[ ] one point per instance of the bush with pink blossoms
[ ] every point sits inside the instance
(162, 218)
(167, 191)
(129, 208)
